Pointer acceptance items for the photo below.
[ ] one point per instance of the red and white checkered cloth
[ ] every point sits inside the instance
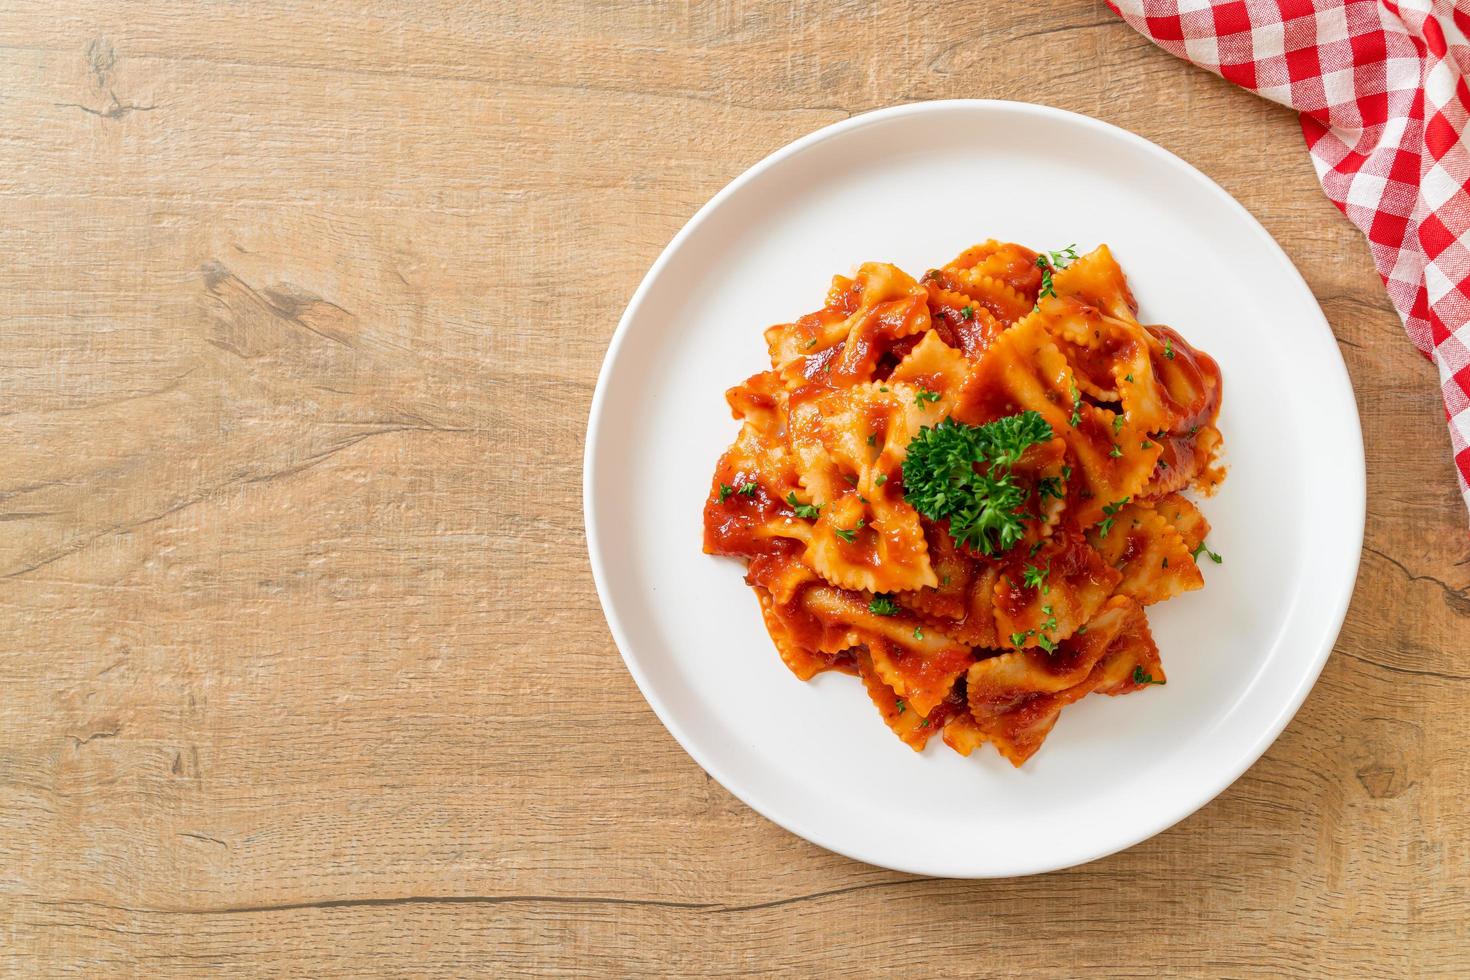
(1381, 91)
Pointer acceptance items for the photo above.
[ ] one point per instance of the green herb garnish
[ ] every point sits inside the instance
(1141, 676)
(807, 512)
(725, 491)
(1053, 261)
(1213, 557)
(883, 605)
(1110, 511)
(962, 474)
(925, 398)
(748, 490)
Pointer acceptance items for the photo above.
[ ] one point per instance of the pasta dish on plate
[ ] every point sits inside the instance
(965, 489)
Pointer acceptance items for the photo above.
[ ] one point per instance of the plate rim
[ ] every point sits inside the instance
(1354, 497)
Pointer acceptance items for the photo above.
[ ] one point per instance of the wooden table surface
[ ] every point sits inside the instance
(301, 308)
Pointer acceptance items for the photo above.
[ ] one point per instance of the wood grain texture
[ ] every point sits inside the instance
(301, 309)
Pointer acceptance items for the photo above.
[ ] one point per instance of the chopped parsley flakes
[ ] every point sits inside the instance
(1109, 513)
(806, 512)
(1050, 262)
(1141, 676)
(883, 605)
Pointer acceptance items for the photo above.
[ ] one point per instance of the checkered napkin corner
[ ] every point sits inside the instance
(1383, 100)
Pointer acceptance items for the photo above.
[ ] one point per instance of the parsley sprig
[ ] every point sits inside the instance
(807, 512)
(962, 473)
(1050, 262)
(883, 605)
(1217, 559)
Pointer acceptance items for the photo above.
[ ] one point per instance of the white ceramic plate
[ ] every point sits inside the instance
(914, 185)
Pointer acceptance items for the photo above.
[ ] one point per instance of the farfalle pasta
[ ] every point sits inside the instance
(966, 489)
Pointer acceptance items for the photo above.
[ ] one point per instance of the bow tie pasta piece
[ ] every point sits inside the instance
(910, 726)
(956, 570)
(933, 368)
(808, 637)
(1015, 698)
(1110, 359)
(876, 546)
(783, 575)
(761, 400)
(841, 344)
(1190, 378)
(1152, 557)
(785, 622)
(1185, 518)
(1041, 599)
(995, 296)
(962, 605)
(1132, 661)
(849, 447)
(922, 672)
(1015, 265)
(1023, 370)
(1097, 280)
(919, 664)
(850, 437)
(747, 510)
(961, 322)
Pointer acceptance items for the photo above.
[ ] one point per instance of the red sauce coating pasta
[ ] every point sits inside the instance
(975, 639)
